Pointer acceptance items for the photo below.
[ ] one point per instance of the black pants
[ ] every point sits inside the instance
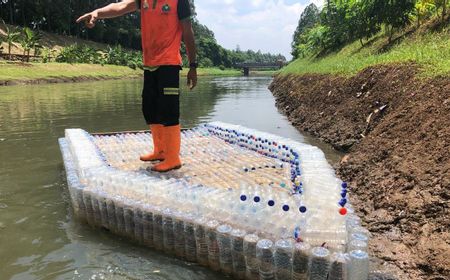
(161, 96)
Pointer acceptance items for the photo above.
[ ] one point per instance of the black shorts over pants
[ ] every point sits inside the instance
(161, 95)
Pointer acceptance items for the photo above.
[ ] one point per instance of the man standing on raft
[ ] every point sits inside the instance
(164, 23)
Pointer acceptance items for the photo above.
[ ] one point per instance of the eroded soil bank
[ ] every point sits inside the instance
(395, 128)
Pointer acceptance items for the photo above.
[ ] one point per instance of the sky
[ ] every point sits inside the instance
(266, 25)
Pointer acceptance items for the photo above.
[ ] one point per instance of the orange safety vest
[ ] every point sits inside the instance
(161, 33)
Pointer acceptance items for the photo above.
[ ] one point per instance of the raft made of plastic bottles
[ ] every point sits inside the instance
(250, 204)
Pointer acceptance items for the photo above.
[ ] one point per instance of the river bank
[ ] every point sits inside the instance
(394, 128)
(18, 73)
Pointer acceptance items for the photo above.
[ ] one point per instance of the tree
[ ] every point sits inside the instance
(11, 37)
(424, 9)
(442, 4)
(308, 19)
(361, 20)
(395, 14)
(30, 40)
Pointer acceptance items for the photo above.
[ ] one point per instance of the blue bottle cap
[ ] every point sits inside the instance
(285, 208)
(243, 197)
(344, 185)
(256, 199)
(302, 209)
(271, 203)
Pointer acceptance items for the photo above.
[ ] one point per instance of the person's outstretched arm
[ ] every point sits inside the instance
(189, 41)
(111, 11)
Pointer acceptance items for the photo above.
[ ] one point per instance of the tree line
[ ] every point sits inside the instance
(58, 16)
(342, 21)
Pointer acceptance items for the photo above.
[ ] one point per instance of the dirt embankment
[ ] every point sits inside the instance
(395, 129)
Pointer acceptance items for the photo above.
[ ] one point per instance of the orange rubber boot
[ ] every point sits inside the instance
(158, 144)
(172, 136)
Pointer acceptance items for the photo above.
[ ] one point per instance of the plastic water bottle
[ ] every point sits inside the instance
(359, 268)
(264, 254)
(283, 258)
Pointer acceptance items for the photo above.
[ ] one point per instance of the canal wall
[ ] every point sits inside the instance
(394, 128)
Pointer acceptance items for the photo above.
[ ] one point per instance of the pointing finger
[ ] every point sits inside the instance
(82, 18)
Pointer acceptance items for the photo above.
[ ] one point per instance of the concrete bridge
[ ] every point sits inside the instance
(257, 65)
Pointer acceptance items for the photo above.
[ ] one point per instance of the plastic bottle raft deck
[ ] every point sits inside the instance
(247, 203)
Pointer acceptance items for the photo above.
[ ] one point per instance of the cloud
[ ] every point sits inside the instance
(266, 25)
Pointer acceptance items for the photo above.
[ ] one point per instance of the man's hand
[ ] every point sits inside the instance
(89, 19)
(192, 78)
(110, 11)
(188, 38)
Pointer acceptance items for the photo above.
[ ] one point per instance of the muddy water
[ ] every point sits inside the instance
(39, 239)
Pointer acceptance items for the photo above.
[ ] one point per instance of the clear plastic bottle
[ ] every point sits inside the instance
(300, 261)
(128, 215)
(359, 267)
(264, 254)
(357, 245)
(213, 245)
(340, 263)
(147, 224)
(224, 240)
(283, 259)
(138, 224)
(158, 240)
(237, 253)
(111, 212)
(178, 231)
(168, 232)
(319, 263)
(189, 237)
(118, 207)
(200, 240)
(89, 208)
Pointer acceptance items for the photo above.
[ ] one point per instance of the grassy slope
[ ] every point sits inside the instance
(32, 71)
(50, 40)
(430, 50)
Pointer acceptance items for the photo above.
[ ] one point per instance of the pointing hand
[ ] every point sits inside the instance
(89, 19)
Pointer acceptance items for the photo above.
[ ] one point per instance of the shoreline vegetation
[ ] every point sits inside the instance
(384, 101)
(36, 57)
(428, 50)
(20, 73)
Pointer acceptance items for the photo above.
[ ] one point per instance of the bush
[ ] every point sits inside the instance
(47, 54)
(113, 55)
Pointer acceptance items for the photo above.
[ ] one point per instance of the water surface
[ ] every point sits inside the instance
(39, 238)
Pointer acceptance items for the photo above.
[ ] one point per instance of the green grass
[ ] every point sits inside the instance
(34, 71)
(430, 51)
(213, 72)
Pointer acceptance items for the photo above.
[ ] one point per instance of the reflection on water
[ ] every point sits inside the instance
(38, 237)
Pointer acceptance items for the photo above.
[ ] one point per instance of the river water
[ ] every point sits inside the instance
(39, 239)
